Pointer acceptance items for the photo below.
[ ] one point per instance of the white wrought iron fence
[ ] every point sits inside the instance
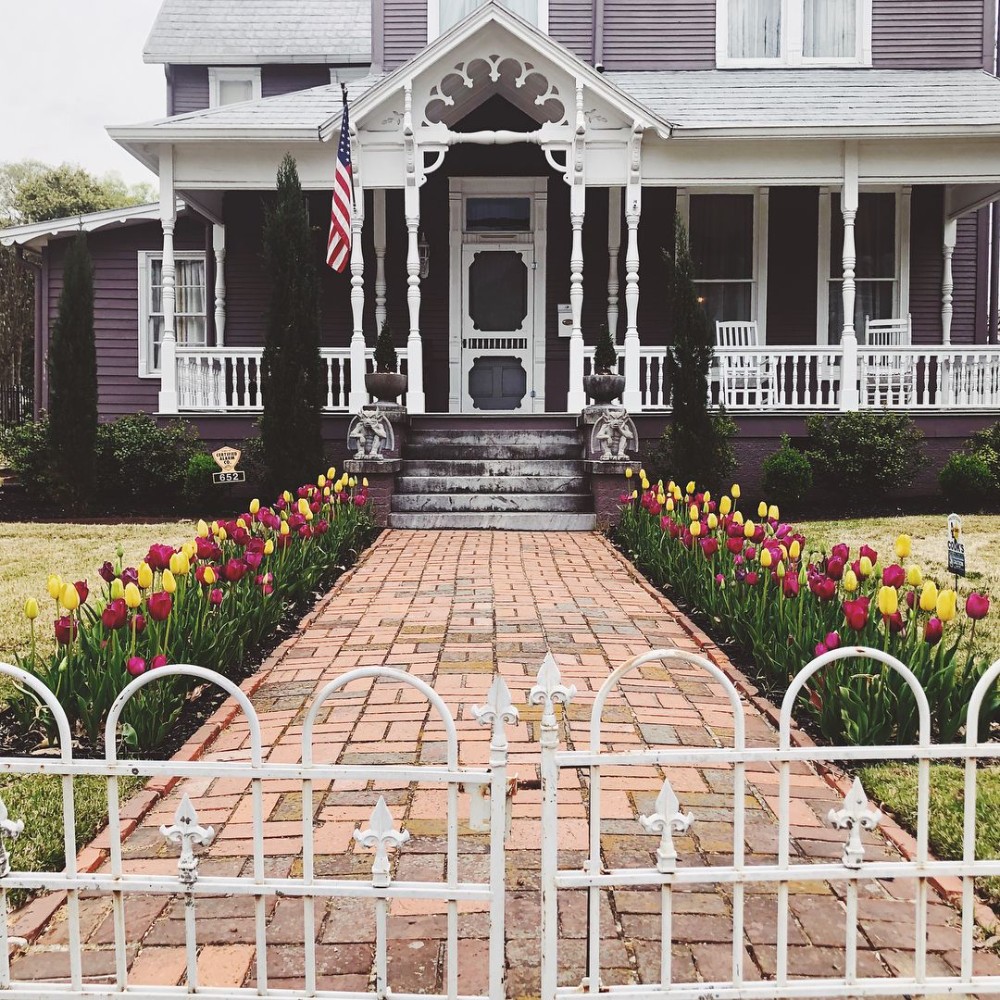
(674, 873)
(191, 837)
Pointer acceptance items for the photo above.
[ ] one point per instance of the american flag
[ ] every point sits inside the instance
(338, 250)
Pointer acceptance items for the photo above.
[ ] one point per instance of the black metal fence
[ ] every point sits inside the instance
(15, 405)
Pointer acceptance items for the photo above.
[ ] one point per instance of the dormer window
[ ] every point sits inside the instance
(443, 14)
(233, 85)
(760, 33)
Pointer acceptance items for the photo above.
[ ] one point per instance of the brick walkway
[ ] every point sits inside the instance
(453, 608)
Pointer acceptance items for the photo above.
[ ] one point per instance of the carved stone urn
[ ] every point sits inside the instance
(386, 387)
(603, 387)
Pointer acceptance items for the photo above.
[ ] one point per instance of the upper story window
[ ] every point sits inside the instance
(442, 14)
(793, 33)
(233, 84)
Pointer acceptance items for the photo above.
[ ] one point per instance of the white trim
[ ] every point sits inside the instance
(232, 74)
(145, 259)
(791, 40)
(434, 18)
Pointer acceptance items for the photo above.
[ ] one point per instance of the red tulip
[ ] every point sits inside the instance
(790, 585)
(821, 648)
(115, 614)
(207, 549)
(867, 550)
(832, 640)
(65, 629)
(234, 570)
(158, 556)
(136, 666)
(933, 631)
(835, 567)
(735, 545)
(160, 605)
(752, 579)
(107, 572)
(894, 621)
(83, 590)
(856, 613)
(893, 576)
(215, 597)
(709, 546)
(129, 575)
(160, 660)
(139, 624)
(840, 551)
(977, 606)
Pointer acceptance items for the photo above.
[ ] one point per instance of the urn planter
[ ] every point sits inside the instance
(603, 388)
(386, 387)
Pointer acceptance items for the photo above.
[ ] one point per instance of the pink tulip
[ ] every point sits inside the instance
(977, 606)
(136, 666)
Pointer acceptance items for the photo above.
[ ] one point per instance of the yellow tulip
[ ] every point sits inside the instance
(693, 512)
(795, 550)
(240, 523)
(670, 503)
(145, 576)
(132, 596)
(738, 516)
(209, 576)
(914, 576)
(31, 609)
(331, 472)
(780, 570)
(690, 488)
(762, 510)
(364, 482)
(303, 506)
(642, 473)
(628, 472)
(929, 596)
(660, 498)
(888, 600)
(55, 586)
(254, 505)
(117, 589)
(784, 552)
(725, 505)
(749, 529)
(644, 484)
(635, 494)
(326, 492)
(766, 558)
(695, 529)
(713, 521)
(850, 581)
(735, 491)
(338, 487)
(180, 564)
(352, 482)
(202, 529)
(772, 512)
(168, 582)
(865, 565)
(321, 482)
(904, 546)
(284, 528)
(221, 534)
(947, 604)
(708, 496)
(190, 549)
(286, 496)
(269, 546)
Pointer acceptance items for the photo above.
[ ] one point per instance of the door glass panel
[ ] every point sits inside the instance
(497, 383)
(498, 215)
(498, 291)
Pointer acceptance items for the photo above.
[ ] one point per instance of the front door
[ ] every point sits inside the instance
(498, 300)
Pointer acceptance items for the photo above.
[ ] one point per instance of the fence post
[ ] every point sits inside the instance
(547, 692)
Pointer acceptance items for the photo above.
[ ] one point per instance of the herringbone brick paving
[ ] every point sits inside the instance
(453, 608)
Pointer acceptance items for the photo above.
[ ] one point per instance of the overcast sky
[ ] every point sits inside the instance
(68, 69)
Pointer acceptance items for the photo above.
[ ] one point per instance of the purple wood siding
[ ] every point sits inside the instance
(571, 22)
(659, 34)
(965, 268)
(275, 80)
(404, 31)
(116, 308)
(656, 235)
(792, 265)
(187, 89)
(914, 34)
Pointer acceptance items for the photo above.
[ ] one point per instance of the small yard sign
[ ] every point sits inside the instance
(956, 547)
(227, 459)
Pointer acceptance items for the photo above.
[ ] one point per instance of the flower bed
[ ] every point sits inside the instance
(211, 602)
(783, 604)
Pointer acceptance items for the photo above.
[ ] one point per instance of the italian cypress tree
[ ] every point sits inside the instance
(698, 441)
(72, 364)
(291, 371)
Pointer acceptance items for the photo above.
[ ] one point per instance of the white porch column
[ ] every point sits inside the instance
(167, 402)
(948, 279)
(575, 398)
(632, 397)
(380, 286)
(219, 246)
(359, 395)
(614, 247)
(848, 339)
(415, 402)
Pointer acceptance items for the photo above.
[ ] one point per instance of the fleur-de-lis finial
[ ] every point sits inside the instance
(666, 821)
(187, 832)
(498, 710)
(855, 815)
(381, 834)
(10, 830)
(549, 689)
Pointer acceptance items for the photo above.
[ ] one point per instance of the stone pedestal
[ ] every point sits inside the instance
(610, 443)
(608, 483)
(381, 476)
(375, 440)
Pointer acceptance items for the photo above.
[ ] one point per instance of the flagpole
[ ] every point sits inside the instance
(343, 94)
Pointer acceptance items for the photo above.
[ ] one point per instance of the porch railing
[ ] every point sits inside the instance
(228, 379)
(928, 378)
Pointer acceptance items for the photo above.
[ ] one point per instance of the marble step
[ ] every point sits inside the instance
(491, 466)
(488, 520)
(435, 503)
(491, 484)
(493, 444)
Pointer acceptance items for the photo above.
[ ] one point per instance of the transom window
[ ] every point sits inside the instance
(442, 14)
(793, 32)
(190, 311)
(721, 237)
(233, 85)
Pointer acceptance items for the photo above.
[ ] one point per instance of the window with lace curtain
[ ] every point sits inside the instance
(190, 305)
(443, 14)
(793, 32)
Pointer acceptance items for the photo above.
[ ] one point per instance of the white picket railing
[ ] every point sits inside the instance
(311, 780)
(776, 870)
(927, 378)
(228, 379)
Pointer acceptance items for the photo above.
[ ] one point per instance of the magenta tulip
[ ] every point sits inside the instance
(136, 666)
(977, 606)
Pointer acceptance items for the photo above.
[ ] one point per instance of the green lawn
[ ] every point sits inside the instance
(894, 785)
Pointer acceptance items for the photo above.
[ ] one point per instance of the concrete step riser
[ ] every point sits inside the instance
(439, 503)
(491, 484)
(488, 436)
(524, 450)
(491, 467)
(496, 522)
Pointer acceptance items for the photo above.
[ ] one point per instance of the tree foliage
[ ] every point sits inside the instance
(73, 378)
(292, 375)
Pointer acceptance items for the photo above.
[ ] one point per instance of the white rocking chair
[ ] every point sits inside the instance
(888, 378)
(744, 374)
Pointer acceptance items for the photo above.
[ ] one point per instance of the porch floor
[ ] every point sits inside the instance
(453, 608)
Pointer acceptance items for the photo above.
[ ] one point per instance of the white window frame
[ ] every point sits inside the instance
(825, 281)
(791, 40)
(761, 216)
(344, 74)
(434, 18)
(232, 74)
(146, 258)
